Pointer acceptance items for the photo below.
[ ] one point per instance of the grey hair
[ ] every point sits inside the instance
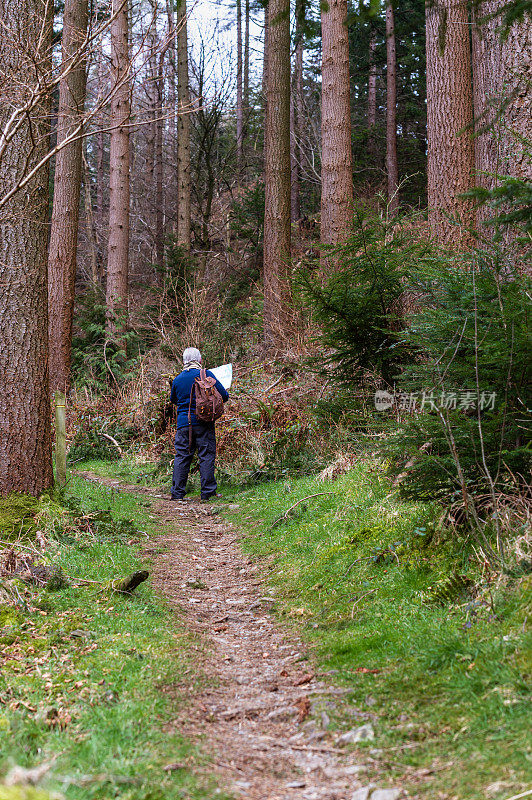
(191, 354)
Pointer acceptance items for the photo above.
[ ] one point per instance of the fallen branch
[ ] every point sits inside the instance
(111, 439)
(288, 510)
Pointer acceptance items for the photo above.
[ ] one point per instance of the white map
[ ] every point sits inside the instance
(224, 374)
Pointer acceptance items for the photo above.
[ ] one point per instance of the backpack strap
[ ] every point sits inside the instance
(190, 420)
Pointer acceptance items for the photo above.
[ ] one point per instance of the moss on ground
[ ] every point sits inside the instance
(444, 676)
(22, 515)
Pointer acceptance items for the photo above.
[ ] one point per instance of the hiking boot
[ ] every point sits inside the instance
(206, 498)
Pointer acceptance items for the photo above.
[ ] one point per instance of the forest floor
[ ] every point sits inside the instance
(253, 710)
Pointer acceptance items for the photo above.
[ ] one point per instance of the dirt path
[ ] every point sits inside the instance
(254, 713)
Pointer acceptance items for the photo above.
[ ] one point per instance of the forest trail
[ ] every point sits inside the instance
(252, 710)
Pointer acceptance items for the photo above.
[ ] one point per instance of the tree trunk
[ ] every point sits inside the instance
(89, 222)
(239, 108)
(159, 195)
(450, 164)
(295, 206)
(183, 141)
(100, 153)
(26, 454)
(372, 83)
(246, 66)
(517, 70)
(277, 172)
(391, 111)
(118, 248)
(67, 186)
(336, 156)
(172, 120)
(502, 76)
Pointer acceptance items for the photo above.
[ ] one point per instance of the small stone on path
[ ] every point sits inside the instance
(363, 734)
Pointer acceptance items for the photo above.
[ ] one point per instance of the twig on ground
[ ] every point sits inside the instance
(355, 604)
(288, 510)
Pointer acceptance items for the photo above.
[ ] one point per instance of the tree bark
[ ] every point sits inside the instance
(173, 119)
(450, 164)
(89, 222)
(391, 111)
(26, 454)
(239, 106)
(517, 71)
(502, 76)
(372, 84)
(246, 66)
(295, 187)
(159, 195)
(118, 247)
(100, 154)
(67, 186)
(336, 157)
(277, 172)
(183, 141)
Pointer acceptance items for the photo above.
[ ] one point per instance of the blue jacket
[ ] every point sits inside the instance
(180, 395)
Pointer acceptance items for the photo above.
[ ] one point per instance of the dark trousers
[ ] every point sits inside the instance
(204, 440)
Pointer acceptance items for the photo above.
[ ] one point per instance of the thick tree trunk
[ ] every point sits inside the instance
(25, 455)
(118, 248)
(450, 165)
(517, 70)
(239, 87)
(183, 141)
(277, 172)
(336, 156)
(391, 111)
(502, 76)
(67, 185)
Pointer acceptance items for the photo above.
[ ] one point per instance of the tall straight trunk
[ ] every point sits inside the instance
(172, 120)
(517, 70)
(277, 172)
(183, 141)
(502, 76)
(487, 63)
(67, 186)
(295, 132)
(151, 135)
(246, 65)
(26, 454)
(265, 60)
(372, 83)
(100, 149)
(450, 164)
(159, 195)
(118, 248)
(391, 111)
(89, 222)
(336, 155)
(239, 108)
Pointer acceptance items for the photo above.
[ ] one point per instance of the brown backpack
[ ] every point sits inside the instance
(209, 403)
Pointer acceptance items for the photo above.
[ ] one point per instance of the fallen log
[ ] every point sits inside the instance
(129, 584)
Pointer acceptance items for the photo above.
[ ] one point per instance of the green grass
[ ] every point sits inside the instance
(89, 678)
(451, 693)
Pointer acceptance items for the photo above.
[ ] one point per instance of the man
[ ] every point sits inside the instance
(203, 435)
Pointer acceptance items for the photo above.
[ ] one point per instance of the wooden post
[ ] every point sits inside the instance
(60, 438)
